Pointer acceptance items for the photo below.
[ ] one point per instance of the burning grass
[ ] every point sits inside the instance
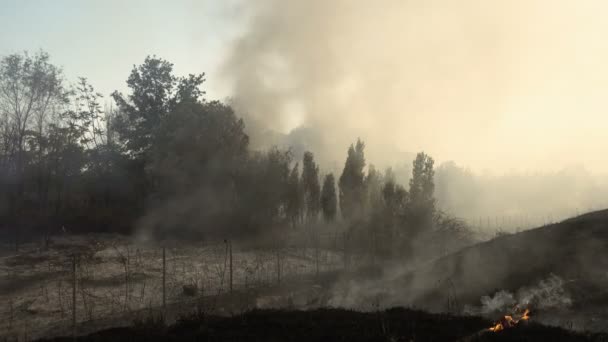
(510, 321)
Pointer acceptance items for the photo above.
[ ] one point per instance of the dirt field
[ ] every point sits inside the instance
(117, 277)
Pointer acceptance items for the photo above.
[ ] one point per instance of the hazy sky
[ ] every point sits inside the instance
(102, 40)
(494, 85)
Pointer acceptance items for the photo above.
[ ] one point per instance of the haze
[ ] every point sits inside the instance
(491, 84)
(170, 164)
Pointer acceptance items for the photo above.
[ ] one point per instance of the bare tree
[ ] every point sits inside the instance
(29, 87)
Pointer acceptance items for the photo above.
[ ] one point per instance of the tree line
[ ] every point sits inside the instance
(164, 157)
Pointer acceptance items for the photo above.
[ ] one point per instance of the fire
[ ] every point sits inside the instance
(509, 322)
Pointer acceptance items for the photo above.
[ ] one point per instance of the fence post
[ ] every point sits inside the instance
(74, 295)
(345, 252)
(127, 271)
(164, 282)
(278, 266)
(16, 239)
(317, 256)
(230, 251)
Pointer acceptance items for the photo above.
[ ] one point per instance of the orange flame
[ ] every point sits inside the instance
(509, 322)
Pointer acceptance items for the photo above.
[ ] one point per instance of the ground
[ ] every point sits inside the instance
(119, 281)
(117, 278)
(395, 324)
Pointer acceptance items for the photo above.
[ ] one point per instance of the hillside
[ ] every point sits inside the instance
(574, 251)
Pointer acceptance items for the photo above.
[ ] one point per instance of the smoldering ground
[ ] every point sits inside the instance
(556, 271)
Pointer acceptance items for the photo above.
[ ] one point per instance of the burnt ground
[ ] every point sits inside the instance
(396, 324)
(576, 250)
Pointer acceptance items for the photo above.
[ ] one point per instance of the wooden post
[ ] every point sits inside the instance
(317, 257)
(127, 262)
(230, 251)
(345, 253)
(278, 266)
(16, 238)
(11, 313)
(164, 282)
(74, 295)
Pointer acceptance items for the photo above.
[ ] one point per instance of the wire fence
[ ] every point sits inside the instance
(73, 284)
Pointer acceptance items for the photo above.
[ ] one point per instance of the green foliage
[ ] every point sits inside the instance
(173, 162)
(195, 161)
(310, 186)
(373, 189)
(351, 182)
(422, 201)
(155, 92)
(202, 144)
(295, 197)
(262, 189)
(329, 199)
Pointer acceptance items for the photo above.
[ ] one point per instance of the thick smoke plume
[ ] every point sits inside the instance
(479, 82)
(493, 85)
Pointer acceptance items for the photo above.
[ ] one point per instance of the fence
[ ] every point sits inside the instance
(75, 282)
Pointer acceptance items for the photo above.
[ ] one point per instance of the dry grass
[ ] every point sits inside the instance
(117, 276)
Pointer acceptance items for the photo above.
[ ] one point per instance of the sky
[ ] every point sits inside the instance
(493, 85)
(102, 40)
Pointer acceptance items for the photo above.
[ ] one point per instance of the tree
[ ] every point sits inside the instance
(295, 197)
(394, 195)
(262, 192)
(31, 89)
(329, 200)
(373, 190)
(89, 116)
(422, 187)
(310, 186)
(195, 161)
(351, 182)
(30, 86)
(155, 92)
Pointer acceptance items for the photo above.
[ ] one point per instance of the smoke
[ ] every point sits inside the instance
(547, 294)
(518, 200)
(502, 301)
(491, 84)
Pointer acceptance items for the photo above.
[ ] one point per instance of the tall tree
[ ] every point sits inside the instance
(31, 88)
(155, 92)
(387, 222)
(394, 195)
(295, 197)
(195, 161)
(351, 182)
(262, 191)
(373, 190)
(329, 199)
(421, 194)
(310, 186)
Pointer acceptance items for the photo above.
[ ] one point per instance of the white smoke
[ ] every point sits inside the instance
(501, 301)
(492, 84)
(547, 294)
